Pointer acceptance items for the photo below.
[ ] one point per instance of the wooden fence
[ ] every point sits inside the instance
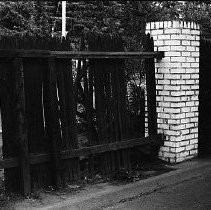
(40, 106)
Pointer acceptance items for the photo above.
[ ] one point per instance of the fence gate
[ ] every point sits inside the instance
(66, 115)
(205, 99)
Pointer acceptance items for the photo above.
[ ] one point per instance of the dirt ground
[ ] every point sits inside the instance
(48, 196)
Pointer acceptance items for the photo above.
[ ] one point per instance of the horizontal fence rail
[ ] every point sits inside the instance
(78, 54)
(42, 158)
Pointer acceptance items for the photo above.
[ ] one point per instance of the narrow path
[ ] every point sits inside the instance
(192, 194)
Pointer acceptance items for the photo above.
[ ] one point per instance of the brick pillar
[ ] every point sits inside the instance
(177, 85)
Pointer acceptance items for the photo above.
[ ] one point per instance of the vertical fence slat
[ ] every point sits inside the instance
(22, 128)
(71, 115)
(151, 89)
(54, 126)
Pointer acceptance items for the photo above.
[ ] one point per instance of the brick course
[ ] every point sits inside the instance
(177, 79)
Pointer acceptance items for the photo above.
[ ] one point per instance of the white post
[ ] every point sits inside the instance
(64, 18)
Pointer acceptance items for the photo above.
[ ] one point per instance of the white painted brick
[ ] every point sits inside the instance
(190, 82)
(177, 82)
(195, 43)
(169, 24)
(168, 65)
(185, 109)
(194, 87)
(176, 24)
(165, 24)
(194, 76)
(186, 120)
(172, 31)
(193, 141)
(186, 53)
(186, 31)
(190, 48)
(172, 76)
(180, 159)
(172, 42)
(164, 48)
(170, 87)
(178, 59)
(195, 54)
(169, 144)
(194, 65)
(172, 99)
(186, 65)
(190, 59)
(156, 32)
(177, 104)
(189, 147)
(195, 32)
(178, 48)
(173, 53)
(192, 70)
(180, 149)
(177, 70)
(164, 37)
(159, 43)
(189, 125)
(165, 149)
(192, 25)
(190, 114)
(147, 26)
(178, 127)
(152, 25)
(194, 130)
(157, 25)
(178, 116)
(184, 154)
(172, 133)
(189, 92)
(168, 154)
(172, 110)
(190, 37)
(186, 76)
(164, 82)
(184, 143)
(177, 93)
(195, 151)
(185, 42)
(194, 109)
(179, 36)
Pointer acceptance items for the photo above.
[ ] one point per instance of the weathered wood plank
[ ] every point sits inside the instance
(22, 135)
(79, 54)
(53, 123)
(96, 149)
